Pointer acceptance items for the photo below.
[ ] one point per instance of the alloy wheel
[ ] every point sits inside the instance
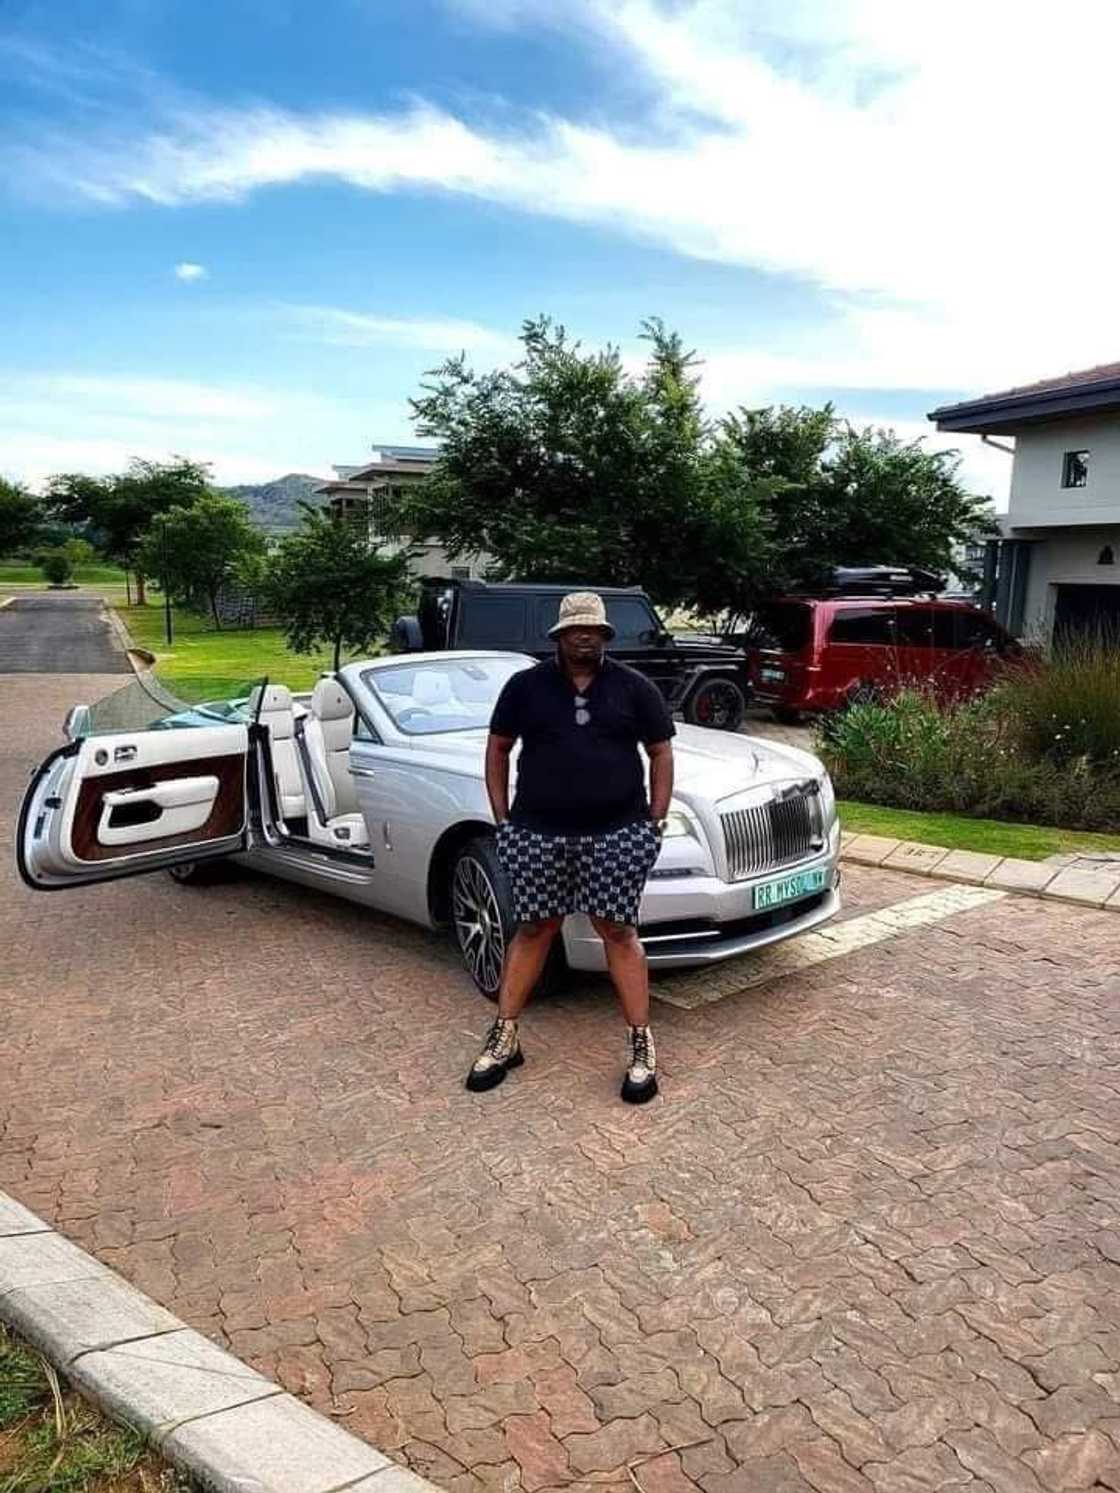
(478, 923)
(718, 705)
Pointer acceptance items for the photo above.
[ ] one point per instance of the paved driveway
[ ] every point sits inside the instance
(58, 634)
(867, 1240)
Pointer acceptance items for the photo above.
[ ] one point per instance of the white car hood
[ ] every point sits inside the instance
(709, 764)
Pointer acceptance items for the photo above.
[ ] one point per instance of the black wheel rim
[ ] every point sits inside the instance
(478, 923)
(183, 871)
(718, 705)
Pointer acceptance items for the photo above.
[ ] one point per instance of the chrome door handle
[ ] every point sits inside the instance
(362, 772)
(124, 753)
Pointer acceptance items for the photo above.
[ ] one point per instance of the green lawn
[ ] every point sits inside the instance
(1027, 842)
(204, 664)
(107, 580)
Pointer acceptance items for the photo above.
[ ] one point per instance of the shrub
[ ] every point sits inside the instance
(1068, 709)
(57, 567)
(968, 757)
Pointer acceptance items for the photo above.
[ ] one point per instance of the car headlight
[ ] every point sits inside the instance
(677, 824)
(828, 803)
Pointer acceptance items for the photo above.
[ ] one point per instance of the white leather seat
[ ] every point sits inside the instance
(334, 817)
(276, 714)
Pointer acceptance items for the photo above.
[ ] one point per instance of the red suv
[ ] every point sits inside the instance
(814, 655)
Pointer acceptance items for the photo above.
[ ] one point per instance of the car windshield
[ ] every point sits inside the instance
(452, 694)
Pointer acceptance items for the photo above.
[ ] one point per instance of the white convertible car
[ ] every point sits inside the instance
(372, 788)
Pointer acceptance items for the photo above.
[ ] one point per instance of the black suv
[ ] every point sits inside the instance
(706, 681)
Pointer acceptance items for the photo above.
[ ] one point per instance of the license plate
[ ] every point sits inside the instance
(772, 676)
(789, 888)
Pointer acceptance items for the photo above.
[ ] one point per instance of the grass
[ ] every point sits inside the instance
(204, 664)
(52, 1441)
(16, 579)
(1027, 842)
(16, 573)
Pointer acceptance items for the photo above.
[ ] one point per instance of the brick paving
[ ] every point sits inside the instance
(867, 1240)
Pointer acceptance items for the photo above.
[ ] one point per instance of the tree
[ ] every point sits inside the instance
(567, 467)
(196, 550)
(21, 517)
(328, 586)
(120, 508)
(842, 496)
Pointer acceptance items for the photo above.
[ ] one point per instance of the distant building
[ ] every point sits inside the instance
(370, 495)
(1057, 566)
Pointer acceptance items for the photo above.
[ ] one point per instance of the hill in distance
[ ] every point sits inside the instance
(275, 504)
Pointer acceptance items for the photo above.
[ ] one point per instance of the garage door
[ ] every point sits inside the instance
(1082, 609)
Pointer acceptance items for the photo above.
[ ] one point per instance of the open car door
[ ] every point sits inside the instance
(116, 801)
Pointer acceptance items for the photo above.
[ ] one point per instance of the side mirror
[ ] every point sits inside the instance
(77, 723)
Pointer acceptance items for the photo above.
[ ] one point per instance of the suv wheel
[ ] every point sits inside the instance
(482, 917)
(718, 703)
(863, 693)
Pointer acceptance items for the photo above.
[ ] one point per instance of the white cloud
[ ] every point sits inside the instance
(76, 422)
(185, 270)
(340, 327)
(847, 143)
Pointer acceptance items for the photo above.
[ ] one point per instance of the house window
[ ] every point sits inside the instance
(460, 572)
(1075, 469)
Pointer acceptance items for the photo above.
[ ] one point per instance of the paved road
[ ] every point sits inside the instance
(866, 1242)
(58, 635)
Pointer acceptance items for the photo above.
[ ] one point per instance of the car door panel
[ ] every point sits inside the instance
(110, 805)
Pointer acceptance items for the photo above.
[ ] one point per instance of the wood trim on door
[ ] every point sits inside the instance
(226, 816)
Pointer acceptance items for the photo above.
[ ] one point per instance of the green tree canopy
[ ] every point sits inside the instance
(119, 508)
(843, 496)
(196, 550)
(329, 586)
(568, 467)
(21, 517)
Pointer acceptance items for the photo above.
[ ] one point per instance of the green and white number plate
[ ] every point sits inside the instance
(789, 888)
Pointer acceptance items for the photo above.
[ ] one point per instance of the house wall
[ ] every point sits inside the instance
(1037, 495)
(1065, 557)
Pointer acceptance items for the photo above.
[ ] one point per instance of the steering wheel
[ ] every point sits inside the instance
(408, 713)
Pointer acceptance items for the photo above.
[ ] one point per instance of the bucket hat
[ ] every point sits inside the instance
(582, 609)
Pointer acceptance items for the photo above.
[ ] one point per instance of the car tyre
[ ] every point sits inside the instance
(719, 703)
(197, 873)
(482, 918)
(863, 693)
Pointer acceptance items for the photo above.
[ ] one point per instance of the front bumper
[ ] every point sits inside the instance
(700, 920)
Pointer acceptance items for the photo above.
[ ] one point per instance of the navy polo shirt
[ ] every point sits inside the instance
(573, 779)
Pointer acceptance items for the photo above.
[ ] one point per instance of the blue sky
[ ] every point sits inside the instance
(243, 229)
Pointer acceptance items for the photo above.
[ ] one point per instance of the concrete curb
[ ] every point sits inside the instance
(205, 1411)
(1086, 888)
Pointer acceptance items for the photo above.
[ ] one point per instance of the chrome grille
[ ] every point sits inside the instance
(773, 834)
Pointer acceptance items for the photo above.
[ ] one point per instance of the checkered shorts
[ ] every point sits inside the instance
(600, 875)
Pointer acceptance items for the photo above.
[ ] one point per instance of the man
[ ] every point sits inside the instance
(582, 836)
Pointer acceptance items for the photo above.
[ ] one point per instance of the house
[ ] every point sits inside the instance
(1056, 567)
(369, 494)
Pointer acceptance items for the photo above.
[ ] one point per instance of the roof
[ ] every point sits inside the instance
(1087, 391)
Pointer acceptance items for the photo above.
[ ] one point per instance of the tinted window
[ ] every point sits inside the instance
(785, 625)
(494, 621)
(973, 630)
(634, 623)
(865, 627)
(914, 627)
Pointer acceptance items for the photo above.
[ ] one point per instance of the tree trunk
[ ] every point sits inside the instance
(141, 595)
(337, 654)
(214, 610)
